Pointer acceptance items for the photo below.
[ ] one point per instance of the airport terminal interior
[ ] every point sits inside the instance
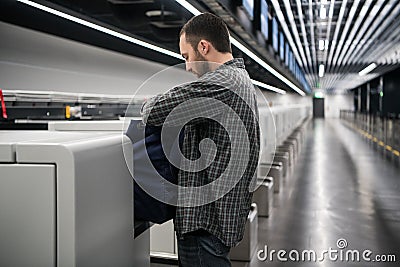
(74, 75)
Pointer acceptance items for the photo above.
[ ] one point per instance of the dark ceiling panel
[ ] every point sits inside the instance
(22, 15)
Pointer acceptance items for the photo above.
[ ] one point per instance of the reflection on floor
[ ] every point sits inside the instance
(342, 196)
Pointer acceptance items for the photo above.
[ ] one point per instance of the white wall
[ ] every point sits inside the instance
(36, 61)
(275, 99)
(334, 103)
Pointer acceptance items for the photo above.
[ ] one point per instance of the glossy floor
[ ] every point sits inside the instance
(342, 196)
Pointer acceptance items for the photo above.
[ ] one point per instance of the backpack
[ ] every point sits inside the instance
(152, 169)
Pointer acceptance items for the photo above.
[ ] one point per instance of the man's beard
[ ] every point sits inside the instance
(202, 65)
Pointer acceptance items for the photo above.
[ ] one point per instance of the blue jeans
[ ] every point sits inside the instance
(202, 249)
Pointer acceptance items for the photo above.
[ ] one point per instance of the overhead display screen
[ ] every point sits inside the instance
(287, 54)
(275, 34)
(291, 62)
(264, 19)
(281, 46)
(249, 7)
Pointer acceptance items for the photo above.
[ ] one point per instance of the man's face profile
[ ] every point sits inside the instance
(195, 62)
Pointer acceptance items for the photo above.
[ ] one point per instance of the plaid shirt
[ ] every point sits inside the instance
(221, 106)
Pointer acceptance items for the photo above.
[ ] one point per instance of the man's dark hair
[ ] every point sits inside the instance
(208, 27)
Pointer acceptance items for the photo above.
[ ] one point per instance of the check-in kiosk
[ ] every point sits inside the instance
(66, 199)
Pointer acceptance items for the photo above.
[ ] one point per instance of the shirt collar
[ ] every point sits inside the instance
(236, 62)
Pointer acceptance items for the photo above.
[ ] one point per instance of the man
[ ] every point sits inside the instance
(220, 147)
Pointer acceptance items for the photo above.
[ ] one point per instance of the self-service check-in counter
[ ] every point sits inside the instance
(272, 170)
(246, 249)
(66, 199)
(163, 243)
(263, 196)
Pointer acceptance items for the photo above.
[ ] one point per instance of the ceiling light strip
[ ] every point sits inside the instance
(331, 10)
(335, 36)
(269, 87)
(368, 69)
(322, 12)
(313, 49)
(328, 78)
(330, 16)
(376, 29)
(390, 54)
(282, 21)
(321, 70)
(101, 29)
(355, 28)
(186, 5)
(343, 34)
(295, 32)
(189, 7)
(332, 80)
(355, 81)
(303, 31)
(379, 34)
(365, 26)
(391, 37)
(265, 65)
(247, 51)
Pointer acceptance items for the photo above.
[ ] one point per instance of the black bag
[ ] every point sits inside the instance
(152, 169)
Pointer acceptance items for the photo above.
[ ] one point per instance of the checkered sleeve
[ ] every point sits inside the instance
(184, 103)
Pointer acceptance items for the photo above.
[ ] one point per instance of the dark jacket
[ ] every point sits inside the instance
(151, 171)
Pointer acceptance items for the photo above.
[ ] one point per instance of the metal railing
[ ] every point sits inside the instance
(384, 130)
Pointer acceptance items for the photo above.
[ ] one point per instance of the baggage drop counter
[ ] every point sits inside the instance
(66, 199)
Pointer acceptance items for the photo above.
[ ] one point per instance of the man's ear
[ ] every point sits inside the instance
(203, 47)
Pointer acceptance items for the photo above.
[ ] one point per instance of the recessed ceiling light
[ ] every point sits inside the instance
(322, 12)
(368, 69)
(321, 70)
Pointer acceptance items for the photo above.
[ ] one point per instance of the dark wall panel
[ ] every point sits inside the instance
(356, 101)
(318, 107)
(374, 97)
(391, 92)
(363, 104)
